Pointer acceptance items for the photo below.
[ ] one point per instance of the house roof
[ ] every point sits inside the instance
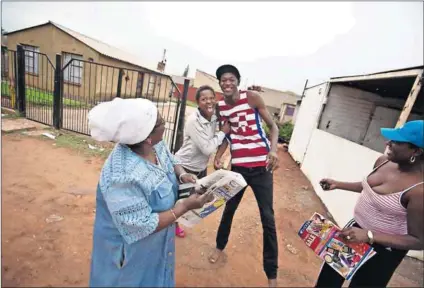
(403, 72)
(288, 93)
(180, 79)
(392, 84)
(208, 75)
(99, 46)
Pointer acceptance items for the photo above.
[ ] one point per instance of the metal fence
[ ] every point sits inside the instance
(85, 84)
(8, 78)
(61, 93)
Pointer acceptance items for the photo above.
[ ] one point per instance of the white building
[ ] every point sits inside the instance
(337, 130)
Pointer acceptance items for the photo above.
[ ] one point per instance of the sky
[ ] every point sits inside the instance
(274, 44)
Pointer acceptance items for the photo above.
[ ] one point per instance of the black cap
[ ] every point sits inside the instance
(227, 68)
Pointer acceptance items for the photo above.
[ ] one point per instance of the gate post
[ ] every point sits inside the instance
(15, 80)
(118, 90)
(57, 94)
(181, 116)
(21, 80)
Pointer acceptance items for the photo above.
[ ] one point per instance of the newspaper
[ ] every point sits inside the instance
(322, 236)
(224, 185)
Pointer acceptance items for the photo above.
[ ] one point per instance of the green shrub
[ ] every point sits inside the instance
(285, 130)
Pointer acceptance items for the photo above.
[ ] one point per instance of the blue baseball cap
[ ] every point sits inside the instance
(412, 132)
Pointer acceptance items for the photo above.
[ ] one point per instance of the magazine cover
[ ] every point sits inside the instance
(322, 236)
(224, 185)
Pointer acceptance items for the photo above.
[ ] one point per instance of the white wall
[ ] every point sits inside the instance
(306, 120)
(330, 156)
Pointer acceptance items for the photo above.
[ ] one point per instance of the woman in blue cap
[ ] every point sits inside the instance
(389, 211)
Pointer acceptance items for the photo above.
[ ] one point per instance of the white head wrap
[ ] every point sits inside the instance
(125, 121)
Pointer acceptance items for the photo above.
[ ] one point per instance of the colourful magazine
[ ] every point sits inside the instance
(322, 236)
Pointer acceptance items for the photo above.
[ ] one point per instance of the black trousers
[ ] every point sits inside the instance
(376, 272)
(261, 182)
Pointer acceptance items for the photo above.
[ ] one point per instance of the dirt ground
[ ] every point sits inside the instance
(48, 208)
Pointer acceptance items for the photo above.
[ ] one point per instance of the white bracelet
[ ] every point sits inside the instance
(182, 174)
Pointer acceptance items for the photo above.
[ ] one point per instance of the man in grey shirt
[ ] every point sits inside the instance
(201, 138)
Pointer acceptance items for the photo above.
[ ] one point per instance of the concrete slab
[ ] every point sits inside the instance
(19, 124)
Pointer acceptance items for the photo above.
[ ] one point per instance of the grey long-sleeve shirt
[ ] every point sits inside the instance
(201, 140)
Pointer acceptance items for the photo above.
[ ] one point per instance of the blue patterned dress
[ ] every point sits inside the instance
(131, 192)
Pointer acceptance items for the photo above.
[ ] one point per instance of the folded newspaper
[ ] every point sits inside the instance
(224, 185)
(322, 236)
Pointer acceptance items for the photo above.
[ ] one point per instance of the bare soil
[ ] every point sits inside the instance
(48, 208)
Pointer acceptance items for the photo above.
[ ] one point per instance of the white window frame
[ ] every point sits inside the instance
(73, 73)
(31, 59)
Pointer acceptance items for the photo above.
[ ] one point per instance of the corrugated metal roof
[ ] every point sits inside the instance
(101, 47)
(376, 73)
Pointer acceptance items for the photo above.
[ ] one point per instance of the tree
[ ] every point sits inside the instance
(185, 74)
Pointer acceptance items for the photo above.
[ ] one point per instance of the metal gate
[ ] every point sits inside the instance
(39, 87)
(62, 94)
(8, 78)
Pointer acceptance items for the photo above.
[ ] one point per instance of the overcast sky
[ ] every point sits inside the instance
(274, 44)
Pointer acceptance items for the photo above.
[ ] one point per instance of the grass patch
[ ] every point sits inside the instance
(5, 89)
(42, 98)
(39, 97)
(79, 143)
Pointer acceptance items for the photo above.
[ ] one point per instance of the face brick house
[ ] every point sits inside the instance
(94, 72)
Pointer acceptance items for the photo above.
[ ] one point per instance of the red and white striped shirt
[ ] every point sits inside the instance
(383, 213)
(248, 142)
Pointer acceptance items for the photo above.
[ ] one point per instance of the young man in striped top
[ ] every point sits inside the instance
(253, 156)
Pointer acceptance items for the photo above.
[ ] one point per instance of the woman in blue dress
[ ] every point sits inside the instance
(134, 230)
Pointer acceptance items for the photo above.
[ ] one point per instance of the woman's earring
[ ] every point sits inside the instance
(150, 142)
(412, 159)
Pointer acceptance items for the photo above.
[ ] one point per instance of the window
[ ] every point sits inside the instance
(289, 110)
(31, 59)
(73, 71)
